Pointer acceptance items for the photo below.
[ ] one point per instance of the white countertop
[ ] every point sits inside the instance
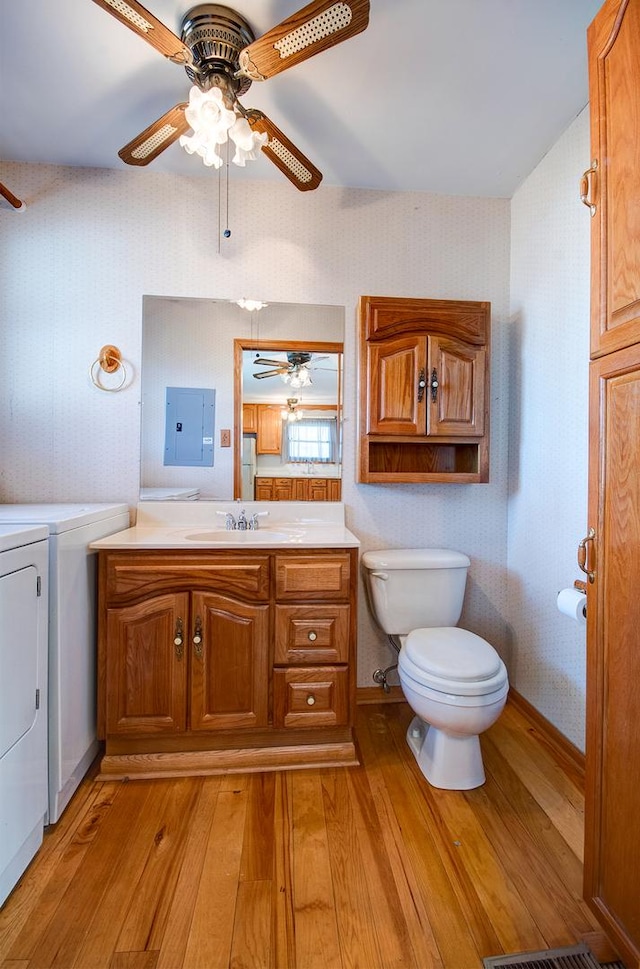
(201, 524)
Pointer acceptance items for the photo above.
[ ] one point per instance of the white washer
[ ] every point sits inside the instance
(72, 634)
(24, 796)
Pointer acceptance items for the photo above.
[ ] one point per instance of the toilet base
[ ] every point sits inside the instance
(449, 761)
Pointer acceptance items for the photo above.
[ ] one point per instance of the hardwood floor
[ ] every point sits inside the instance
(352, 867)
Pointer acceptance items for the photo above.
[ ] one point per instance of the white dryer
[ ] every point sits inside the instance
(23, 698)
(72, 634)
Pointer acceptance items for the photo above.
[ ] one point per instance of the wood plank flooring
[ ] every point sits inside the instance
(351, 868)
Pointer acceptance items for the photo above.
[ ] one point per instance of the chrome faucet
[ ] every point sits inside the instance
(242, 523)
(254, 524)
(229, 520)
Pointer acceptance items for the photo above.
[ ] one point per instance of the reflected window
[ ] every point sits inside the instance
(310, 440)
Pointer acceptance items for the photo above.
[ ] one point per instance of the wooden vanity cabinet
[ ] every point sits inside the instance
(217, 660)
(424, 390)
(313, 632)
(186, 662)
(194, 659)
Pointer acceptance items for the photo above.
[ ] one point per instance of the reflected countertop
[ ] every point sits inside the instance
(320, 472)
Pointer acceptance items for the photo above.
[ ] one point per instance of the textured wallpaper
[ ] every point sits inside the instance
(548, 380)
(73, 272)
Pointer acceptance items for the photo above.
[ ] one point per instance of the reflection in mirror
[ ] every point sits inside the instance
(188, 346)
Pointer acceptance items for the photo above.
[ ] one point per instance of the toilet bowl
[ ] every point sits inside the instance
(454, 681)
(457, 686)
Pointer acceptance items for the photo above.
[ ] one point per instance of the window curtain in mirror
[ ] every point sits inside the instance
(311, 439)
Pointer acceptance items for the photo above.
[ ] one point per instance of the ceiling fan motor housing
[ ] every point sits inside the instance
(215, 36)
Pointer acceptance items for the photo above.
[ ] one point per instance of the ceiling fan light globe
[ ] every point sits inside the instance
(211, 158)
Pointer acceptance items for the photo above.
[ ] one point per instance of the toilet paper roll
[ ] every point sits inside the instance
(573, 603)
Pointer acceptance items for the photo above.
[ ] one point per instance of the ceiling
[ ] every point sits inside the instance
(458, 97)
(323, 373)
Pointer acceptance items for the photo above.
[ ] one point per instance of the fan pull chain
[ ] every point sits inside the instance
(219, 195)
(227, 231)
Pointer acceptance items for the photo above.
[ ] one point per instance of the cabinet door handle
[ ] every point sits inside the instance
(582, 555)
(311, 700)
(586, 183)
(422, 383)
(197, 637)
(312, 635)
(178, 638)
(434, 384)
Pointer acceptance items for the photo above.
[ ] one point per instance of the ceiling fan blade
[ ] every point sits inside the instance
(12, 199)
(133, 15)
(316, 27)
(284, 154)
(158, 136)
(272, 363)
(270, 373)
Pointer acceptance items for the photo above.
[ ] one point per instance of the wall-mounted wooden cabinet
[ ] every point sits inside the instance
(424, 390)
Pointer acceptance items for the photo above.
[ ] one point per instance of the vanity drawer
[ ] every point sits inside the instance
(311, 696)
(312, 634)
(131, 575)
(314, 576)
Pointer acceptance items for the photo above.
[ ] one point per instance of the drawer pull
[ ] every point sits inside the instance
(197, 637)
(312, 635)
(178, 638)
(311, 700)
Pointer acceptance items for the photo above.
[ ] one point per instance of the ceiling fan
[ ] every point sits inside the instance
(295, 370)
(221, 55)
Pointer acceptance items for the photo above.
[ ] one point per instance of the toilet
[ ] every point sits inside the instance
(454, 681)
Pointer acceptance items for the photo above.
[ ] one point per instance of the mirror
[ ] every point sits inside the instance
(198, 344)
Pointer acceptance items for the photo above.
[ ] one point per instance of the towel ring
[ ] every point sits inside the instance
(109, 360)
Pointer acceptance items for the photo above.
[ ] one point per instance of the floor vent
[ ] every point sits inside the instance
(572, 957)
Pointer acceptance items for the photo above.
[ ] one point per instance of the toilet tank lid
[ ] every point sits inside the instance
(415, 558)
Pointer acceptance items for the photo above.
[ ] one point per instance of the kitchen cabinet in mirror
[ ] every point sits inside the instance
(288, 420)
(188, 343)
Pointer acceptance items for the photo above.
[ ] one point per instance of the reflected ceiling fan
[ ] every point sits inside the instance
(221, 56)
(295, 370)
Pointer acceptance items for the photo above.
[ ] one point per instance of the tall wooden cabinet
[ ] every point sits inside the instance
(611, 552)
(424, 390)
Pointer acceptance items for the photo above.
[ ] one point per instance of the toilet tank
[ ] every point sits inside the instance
(410, 588)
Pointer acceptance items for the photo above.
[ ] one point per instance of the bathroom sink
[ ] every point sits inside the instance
(260, 536)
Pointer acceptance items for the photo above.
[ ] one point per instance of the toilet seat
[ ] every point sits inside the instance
(453, 661)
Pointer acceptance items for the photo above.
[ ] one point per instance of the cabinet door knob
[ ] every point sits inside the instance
(311, 700)
(422, 383)
(312, 635)
(197, 636)
(178, 638)
(585, 186)
(434, 385)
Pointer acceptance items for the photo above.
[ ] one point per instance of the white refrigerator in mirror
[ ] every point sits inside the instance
(248, 466)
